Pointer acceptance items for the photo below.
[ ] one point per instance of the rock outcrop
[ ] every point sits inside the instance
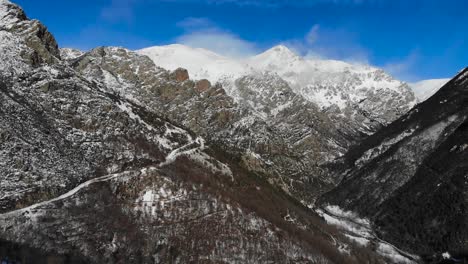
(203, 86)
(181, 75)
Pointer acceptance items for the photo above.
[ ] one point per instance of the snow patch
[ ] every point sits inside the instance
(425, 89)
(360, 231)
(383, 147)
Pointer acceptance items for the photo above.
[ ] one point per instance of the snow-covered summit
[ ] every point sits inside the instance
(330, 84)
(273, 58)
(201, 63)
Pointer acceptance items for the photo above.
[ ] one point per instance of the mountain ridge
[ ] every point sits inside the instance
(339, 88)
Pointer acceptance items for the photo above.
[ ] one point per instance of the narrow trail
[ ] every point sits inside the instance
(185, 149)
(171, 157)
(63, 196)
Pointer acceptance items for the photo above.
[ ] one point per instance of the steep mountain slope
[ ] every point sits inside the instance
(366, 96)
(410, 177)
(427, 88)
(277, 132)
(89, 176)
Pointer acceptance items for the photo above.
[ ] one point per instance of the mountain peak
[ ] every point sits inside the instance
(281, 50)
(5, 3)
(10, 14)
(274, 58)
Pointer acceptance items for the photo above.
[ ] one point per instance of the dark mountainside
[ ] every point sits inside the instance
(410, 178)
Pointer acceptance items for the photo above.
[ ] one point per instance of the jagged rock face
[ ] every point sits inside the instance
(308, 138)
(69, 54)
(287, 138)
(89, 176)
(203, 86)
(369, 97)
(137, 78)
(366, 97)
(42, 45)
(410, 177)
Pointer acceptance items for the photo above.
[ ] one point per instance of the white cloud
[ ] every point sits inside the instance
(312, 36)
(403, 68)
(203, 33)
(339, 43)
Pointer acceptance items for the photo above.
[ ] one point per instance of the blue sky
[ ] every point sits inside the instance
(412, 39)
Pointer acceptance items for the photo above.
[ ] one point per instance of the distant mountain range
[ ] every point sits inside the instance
(362, 93)
(299, 71)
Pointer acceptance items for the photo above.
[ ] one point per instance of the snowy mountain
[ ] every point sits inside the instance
(201, 63)
(106, 158)
(116, 156)
(365, 95)
(426, 88)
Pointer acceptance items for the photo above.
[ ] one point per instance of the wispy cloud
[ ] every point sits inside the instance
(277, 3)
(119, 11)
(313, 34)
(203, 33)
(319, 42)
(404, 68)
(330, 43)
(195, 23)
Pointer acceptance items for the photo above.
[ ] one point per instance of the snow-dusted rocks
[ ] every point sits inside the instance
(10, 14)
(270, 120)
(25, 43)
(366, 96)
(69, 54)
